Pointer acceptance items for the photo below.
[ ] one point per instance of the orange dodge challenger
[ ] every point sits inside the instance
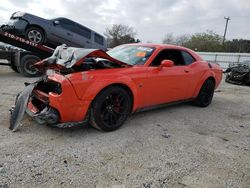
(88, 85)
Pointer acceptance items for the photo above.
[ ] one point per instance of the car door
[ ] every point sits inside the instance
(62, 31)
(169, 84)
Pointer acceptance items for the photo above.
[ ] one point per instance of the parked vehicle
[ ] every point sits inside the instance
(54, 32)
(238, 73)
(86, 85)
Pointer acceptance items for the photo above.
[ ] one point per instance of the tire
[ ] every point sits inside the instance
(14, 68)
(25, 67)
(205, 95)
(35, 34)
(110, 109)
(13, 64)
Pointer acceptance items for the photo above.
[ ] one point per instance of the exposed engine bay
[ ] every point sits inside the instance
(90, 64)
(67, 60)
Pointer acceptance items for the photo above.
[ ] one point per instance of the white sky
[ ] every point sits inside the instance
(151, 19)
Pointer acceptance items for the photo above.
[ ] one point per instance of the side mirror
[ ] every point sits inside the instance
(166, 63)
(56, 22)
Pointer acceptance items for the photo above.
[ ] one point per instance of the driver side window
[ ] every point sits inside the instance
(67, 24)
(174, 55)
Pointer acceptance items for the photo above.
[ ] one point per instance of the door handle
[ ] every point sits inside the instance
(69, 34)
(186, 71)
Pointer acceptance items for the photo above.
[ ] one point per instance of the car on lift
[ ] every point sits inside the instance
(87, 85)
(54, 32)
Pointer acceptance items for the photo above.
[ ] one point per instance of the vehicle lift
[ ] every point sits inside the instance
(22, 61)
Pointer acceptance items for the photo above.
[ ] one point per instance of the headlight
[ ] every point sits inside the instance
(55, 87)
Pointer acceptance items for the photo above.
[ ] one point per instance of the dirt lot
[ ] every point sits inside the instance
(178, 146)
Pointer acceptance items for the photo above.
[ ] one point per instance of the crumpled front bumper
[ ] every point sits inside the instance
(63, 109)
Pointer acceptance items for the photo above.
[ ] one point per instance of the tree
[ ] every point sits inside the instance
(178, 40)
(181, 40)
(237, 45)
(120, 34)
(207, 42)
(168, 39)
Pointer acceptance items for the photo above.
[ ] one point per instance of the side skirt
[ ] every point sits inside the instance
(162, 105)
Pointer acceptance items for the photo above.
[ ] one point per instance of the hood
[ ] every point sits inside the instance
(69, 56)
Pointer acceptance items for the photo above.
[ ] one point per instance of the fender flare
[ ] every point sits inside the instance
(93, 90)
(202, 80)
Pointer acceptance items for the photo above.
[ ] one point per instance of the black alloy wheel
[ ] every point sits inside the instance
(206, 94)
(110, 109)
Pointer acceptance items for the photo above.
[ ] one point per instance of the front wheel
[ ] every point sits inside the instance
(36, 35)
(206, 94)
(110, 108)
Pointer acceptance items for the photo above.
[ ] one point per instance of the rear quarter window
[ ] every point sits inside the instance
(187, 58)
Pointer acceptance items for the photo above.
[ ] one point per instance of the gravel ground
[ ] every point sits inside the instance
(177, 146)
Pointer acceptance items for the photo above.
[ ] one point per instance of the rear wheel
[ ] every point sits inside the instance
(206, 94)
(35, 34)
(110, 108)
(26, 66)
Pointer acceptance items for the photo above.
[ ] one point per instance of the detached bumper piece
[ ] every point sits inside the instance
(17, 112)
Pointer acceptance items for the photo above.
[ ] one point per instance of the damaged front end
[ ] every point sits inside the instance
(52, 99)
(45, 103)
(34, 100)
(38, 103)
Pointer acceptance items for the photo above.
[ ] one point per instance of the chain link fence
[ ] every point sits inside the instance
(225, 59)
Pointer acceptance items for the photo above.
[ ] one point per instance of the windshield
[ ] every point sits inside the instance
(133, 55)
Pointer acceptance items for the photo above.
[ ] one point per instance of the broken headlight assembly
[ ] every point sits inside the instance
(49, 86)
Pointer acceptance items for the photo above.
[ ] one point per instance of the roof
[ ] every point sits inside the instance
(159, 45)
(167, 46)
